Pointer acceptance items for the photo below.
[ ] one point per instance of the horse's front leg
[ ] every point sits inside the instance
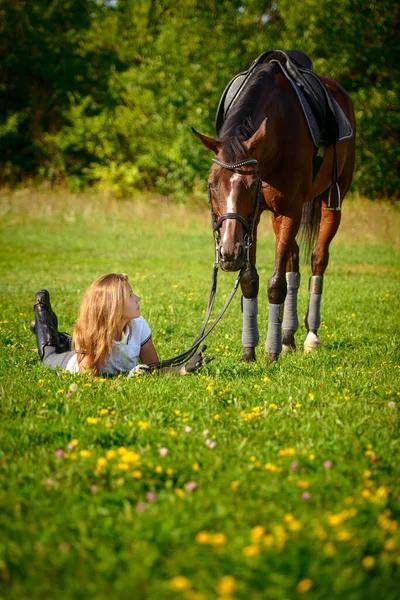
(286, 229)
(249, 285)
(329, 224)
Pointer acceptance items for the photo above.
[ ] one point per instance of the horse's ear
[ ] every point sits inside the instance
(208, 142)
(256, 138)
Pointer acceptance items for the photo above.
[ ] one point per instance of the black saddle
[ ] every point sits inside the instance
(298, 68)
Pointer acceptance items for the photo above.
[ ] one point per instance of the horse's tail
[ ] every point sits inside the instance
(309, 227)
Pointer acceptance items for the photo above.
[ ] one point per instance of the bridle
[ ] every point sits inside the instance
(248, 226)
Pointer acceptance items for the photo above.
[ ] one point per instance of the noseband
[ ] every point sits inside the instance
(248, 226)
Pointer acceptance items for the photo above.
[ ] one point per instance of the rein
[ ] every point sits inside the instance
(181, 359)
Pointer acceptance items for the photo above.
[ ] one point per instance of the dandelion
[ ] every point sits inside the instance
(368, 562)
(226, 586)
(329, 549)
(391, 405)
(218, 540)
(196, 466)
(73, 388)
(85, 453)
(328, 464)
(163, 451)
(72, 444)
(93, 420)
(257, 532)
(251, 550)
(136, 474)
(188, 429)
(235, 485)
(180, 584)
(180, 493)
(304, 585)
(143, 424)
(311, 396)
(287, 452)
(203, 538)
(104, 411)
(390, 545)
(303, 484)
(173, 433)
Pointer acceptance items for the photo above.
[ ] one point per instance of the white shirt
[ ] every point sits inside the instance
(124, 354)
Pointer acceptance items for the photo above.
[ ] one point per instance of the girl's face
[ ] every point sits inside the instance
(132, 307)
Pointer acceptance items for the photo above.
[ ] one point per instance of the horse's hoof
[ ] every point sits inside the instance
(311, 343)
(286, 348)
(249, 355)
(272, 357)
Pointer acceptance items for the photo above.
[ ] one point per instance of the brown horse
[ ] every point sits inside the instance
(264, 161)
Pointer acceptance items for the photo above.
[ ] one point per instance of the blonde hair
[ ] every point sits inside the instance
(100, 313)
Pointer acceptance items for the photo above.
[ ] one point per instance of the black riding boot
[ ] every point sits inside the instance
(45, 326)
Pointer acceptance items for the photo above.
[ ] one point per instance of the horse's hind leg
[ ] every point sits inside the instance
(330, 221)
(290, 322)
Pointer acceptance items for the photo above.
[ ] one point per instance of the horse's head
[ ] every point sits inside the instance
(234, 195)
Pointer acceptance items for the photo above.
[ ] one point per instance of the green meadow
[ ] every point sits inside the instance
(243, 481)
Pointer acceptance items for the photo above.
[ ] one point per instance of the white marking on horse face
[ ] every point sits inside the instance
(229, 202)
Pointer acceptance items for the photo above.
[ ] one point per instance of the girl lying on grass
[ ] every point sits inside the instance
(109, 337)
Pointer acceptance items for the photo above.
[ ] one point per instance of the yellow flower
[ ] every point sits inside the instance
(180, 493)
(273, 405)
(85, 453)
(226, 586)
(136, 474)
(110, 454)
(170, 472)
(143, 424)
(122, 467)
(235, 485)
(101, 462)
(367, 474)
(218, 539)
(177, 412)
(329, 549)
(104, 411)
(304, 585)
(382, 492)
(251, 550)
(130, 457)
(158, 469)
(368, 562)
(295, 525)
(93, 420)
(196, 466)
(343, 536)
(303, 484)
(287, 452)
(268, 540)
(180, 583)
(203, 538)
(109, 425)
(311, 396)
(173, 433)
(217, 417)
(311, 457)
(390, 545)
(257, 533)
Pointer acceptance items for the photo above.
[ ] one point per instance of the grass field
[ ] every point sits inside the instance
(242, 482)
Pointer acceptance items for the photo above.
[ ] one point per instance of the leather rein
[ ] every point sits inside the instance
(248, 226)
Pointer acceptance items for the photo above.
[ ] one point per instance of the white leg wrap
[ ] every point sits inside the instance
(250, 334)
(290, 319)
(313, 317)
(273, 345)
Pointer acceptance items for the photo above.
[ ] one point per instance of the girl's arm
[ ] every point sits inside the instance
(148, 354)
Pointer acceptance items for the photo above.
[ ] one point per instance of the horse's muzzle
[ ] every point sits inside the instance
(232, 260)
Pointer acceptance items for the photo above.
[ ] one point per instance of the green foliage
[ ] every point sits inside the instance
(106, 93)
(86, 528)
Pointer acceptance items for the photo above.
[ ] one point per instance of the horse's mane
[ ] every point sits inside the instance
(238, 125)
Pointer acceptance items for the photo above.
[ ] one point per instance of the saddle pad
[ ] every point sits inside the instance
(238, 84)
